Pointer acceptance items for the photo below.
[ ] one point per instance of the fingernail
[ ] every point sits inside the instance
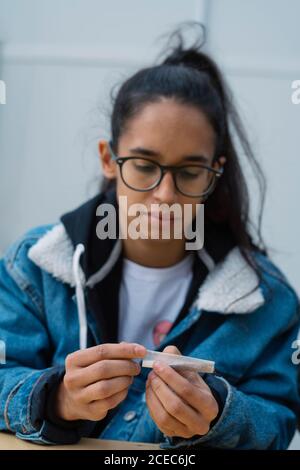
(158, 365)
(139, 349)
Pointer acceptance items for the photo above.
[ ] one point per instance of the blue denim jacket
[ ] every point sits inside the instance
(251, 348)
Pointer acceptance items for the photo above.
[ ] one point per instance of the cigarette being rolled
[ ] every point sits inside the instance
(178, 362)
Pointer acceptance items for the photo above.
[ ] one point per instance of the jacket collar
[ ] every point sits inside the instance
(230, 287)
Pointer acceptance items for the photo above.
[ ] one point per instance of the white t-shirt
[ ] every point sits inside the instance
(150, 299)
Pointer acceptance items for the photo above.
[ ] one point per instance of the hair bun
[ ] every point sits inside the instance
(176, 52)
(189, 57)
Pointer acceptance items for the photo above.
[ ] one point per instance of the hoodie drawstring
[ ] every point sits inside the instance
(94, 279)
(79, 288)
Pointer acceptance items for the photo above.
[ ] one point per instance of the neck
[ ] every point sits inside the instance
(154, 253)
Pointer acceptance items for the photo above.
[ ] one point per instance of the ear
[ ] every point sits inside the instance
(220, 162)
(109, 166)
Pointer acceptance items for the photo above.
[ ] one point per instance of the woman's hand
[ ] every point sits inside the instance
(180, 403)
(97, 379)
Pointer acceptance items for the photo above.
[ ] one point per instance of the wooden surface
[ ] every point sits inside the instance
(10, 442)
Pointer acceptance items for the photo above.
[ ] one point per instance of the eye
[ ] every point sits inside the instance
(191, 172)
(144, 166)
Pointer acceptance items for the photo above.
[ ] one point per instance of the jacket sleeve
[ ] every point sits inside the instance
(260, 410)
(27, 375)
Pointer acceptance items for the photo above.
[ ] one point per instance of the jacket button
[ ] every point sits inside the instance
(130, 415)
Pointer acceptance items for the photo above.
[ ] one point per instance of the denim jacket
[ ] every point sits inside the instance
(247, 329)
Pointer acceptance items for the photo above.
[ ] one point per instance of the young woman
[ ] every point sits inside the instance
(78, 309)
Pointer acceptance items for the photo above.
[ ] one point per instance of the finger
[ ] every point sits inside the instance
(177, 407)
(106, 369)
(193, 377)
(86, 357)
(100, 407)
(172, 350)
(166, 423)
(105, 388)
(198, 397)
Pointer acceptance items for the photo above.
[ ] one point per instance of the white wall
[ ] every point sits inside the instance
(60, 58)
(258, 44)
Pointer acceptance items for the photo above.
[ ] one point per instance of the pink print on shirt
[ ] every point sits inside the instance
(160, 330)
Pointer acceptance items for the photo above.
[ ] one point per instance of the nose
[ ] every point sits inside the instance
(166, 190)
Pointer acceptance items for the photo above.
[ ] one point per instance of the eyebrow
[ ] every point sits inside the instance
(152, 153)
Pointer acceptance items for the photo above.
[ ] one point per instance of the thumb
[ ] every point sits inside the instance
(172, 350)
(193, 377)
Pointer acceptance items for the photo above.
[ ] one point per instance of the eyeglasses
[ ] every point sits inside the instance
(143, 174)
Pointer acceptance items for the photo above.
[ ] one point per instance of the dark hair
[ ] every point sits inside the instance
(191, 77)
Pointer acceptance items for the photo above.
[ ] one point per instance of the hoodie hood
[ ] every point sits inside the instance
(72, 253)
(80, 225)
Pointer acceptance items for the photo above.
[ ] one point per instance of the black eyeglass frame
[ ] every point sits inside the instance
(163, 169)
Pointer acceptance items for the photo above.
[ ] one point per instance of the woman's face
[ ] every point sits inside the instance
(169, 133)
